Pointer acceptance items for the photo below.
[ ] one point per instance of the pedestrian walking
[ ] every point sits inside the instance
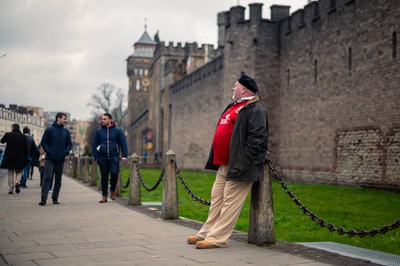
(238, 152)
(56, 143)
(109, 144)
(34, 162)
(15, 157)
(32, 151)
(42, 159)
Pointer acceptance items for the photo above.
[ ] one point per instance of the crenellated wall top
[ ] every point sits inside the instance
(179, 49)
(315, 11)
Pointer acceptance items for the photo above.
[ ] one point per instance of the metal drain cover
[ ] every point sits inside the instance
(356, 252)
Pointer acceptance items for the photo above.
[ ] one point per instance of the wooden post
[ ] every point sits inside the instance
(169, 208)
(93, 177)
(134, 183)
(261, 224)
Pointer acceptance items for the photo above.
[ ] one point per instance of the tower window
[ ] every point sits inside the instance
(394, 45)
(288, 78)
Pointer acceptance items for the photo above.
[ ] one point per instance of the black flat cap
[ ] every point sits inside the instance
(248, 82)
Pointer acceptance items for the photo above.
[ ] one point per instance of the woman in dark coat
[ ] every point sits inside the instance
(15, 156)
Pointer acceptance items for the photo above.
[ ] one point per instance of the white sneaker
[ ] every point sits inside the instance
(50, 190)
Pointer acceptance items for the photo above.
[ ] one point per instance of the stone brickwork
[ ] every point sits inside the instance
(196, 104)
(359, 156)
(338, 74)
(392, 162)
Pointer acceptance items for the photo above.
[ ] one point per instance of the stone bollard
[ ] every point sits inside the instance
(80, 168)
(65, 167)
(99, 188)
(93, 177)
(261, 224)
(170, 208)
(75, 167)
(85, 177)
(118, 188)
(134, 183)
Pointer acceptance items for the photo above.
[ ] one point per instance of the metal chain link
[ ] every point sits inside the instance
(189, 191)
(320, 221)
(155, 186)
(125, 186)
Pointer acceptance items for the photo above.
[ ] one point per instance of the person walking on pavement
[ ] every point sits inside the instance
(108, 144)
(56, 142)
(238, 152)
(15, 156)
(32, 150)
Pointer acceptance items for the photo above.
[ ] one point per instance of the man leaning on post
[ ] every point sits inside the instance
(238, 153)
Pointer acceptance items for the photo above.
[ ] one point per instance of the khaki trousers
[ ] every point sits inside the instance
(227, 199)
(18, 176)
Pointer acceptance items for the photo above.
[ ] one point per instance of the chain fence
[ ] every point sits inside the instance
(148, 188)
(320, 221)
(331, 227)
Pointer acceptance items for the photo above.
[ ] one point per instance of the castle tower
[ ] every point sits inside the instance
(139, 88)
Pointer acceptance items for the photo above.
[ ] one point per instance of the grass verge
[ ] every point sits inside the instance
(351, 208)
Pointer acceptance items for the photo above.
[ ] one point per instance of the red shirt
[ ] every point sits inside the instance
(223, 133)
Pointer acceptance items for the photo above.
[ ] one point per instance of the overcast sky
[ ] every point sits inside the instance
(55, 53)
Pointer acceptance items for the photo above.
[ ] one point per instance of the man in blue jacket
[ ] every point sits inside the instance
(56, 142)
(109, 144)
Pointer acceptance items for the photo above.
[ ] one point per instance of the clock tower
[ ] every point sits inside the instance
(139, 92)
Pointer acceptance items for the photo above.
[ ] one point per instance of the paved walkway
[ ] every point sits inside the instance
(80, 231)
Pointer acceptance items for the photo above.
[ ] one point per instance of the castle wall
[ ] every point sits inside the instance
(196, 102)
(170, 64)
(339, 81)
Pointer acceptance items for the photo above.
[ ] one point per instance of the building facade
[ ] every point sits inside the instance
(35, 123)
(329, 76)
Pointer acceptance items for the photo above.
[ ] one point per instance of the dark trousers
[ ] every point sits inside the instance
(109, 166)
(41, 171)
(25, 174)
(49, 169)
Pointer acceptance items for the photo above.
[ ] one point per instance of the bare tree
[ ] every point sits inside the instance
(119, 112)
(94, 123)
(107, 99)
(101, 101)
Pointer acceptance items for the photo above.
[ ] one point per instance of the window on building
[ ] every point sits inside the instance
(350, 55)
(315, 70)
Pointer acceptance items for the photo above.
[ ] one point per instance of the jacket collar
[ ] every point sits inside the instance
(112, 124)
(57, 125)
(253, 100)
